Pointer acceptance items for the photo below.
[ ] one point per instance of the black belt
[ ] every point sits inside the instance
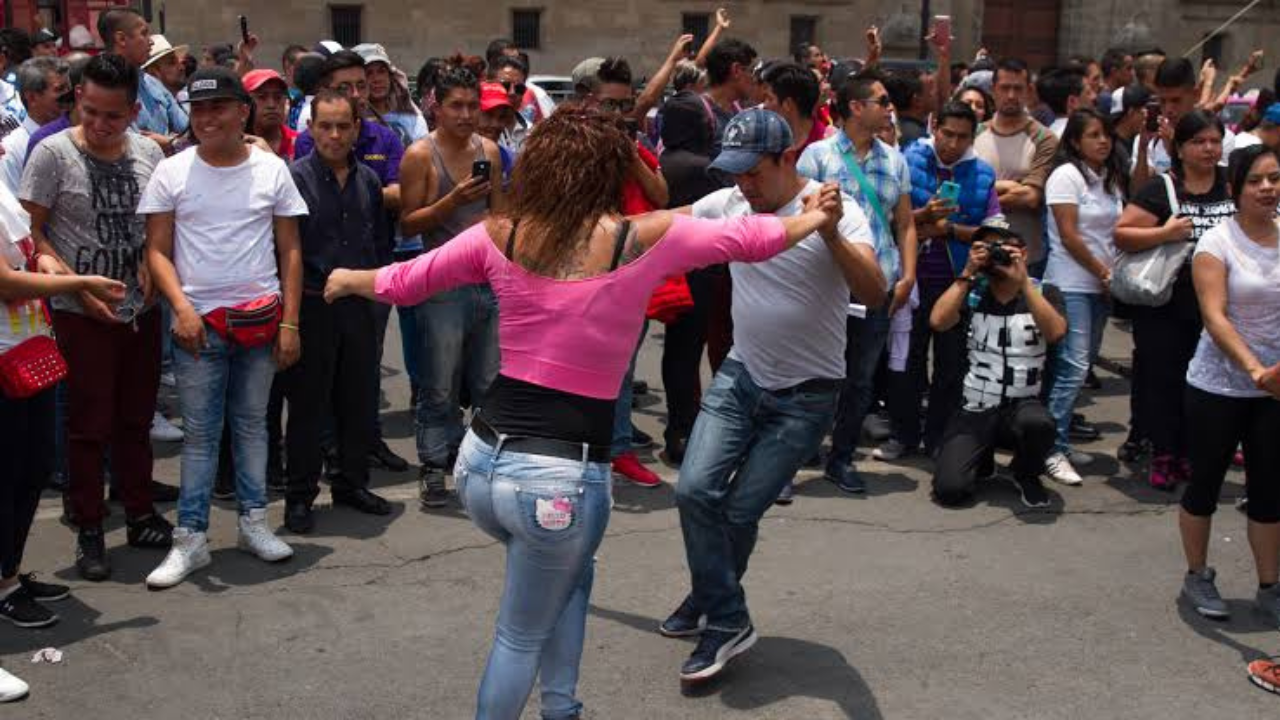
(564, 449)
(816, 385)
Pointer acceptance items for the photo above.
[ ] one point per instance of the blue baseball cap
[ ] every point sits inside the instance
(1272, 115)
(750, 136)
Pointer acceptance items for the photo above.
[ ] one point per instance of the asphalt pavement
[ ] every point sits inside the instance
(883, 606)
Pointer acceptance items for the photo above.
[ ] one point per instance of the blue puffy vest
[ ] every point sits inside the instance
(974, 176)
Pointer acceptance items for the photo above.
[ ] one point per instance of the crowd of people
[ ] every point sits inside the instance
(820, 228)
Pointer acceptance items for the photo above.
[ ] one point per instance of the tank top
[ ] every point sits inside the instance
(466, 215)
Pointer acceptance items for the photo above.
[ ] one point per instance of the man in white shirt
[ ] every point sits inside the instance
(223, 246)
(1176, 84)
(773, 399)
(44, 87)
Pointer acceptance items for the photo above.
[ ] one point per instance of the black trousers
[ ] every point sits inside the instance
(1217, 425)
(944, 384)
(26, 458)
(682, 346)
(968, 448)
(1165, 338)
(339, 360)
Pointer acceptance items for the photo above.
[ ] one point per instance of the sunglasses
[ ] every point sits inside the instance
(514, 87)
(883, 101)
(618, 106)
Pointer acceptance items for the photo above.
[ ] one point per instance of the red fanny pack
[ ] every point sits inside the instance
(250, 325)
(671, 300)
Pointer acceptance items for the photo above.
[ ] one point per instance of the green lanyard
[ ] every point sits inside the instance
(865, 185)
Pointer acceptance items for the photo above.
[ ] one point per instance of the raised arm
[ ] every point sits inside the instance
(652, 93)
(722, 24)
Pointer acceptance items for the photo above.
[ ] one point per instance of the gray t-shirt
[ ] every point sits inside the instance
(789, 312)
(93, 220)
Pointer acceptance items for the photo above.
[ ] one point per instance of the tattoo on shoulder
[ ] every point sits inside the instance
(633, 248)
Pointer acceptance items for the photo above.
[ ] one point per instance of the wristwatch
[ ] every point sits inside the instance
(964, 278)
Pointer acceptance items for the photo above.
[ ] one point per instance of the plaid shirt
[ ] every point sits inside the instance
(887, 172)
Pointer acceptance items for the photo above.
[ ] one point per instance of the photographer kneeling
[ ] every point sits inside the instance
(1012, 321)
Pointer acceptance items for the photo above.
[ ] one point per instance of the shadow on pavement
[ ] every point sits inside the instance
(779, 668)
(344, 522)
(78, 622)
(878, 484)
(776, 669)
(634, 500)
(232, 568)
(1245, 618)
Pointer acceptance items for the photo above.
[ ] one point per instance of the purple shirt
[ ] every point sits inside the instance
(52, 128)
(378, 147)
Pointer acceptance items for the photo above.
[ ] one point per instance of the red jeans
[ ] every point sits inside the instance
(113, 374)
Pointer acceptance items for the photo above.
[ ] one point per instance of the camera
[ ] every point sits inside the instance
(999, 254)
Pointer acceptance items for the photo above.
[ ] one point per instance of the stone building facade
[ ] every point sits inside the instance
(568, 30)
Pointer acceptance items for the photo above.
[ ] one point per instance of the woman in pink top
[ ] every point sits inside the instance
(573, 278)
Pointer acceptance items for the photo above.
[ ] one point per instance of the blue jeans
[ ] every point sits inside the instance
(866, 342)
(1086, 319)
(622, 410)
(458, 331)
(542, 618)
(746, 444)
(225, 381)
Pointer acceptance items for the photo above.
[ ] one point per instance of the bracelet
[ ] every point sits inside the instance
(964, 278)
(290, 326)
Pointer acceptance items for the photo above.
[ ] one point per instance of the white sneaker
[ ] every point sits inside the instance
(164, 431)
(1059, 469)
(189, 553)
(257, 539)
(11, 687)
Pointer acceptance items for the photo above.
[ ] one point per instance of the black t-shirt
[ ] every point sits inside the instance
(1206, 210)
(1007, 351)
(687, 178)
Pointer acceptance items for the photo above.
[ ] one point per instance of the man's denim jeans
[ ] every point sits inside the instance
(551, 513)
(747, 443)
(866, 341)
(229, 381)
(458, 330)
(1086, 319)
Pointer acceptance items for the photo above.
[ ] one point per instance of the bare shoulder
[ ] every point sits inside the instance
(490, 149)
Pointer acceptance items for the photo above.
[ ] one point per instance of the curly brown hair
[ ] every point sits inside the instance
(569, 174)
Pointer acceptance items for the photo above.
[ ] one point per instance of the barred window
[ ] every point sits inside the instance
(526, 28)
(346, 24)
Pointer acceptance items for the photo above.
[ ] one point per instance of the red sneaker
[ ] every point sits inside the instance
(1265, 674)
(629, 466)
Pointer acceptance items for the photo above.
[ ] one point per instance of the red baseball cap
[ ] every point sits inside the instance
(257, 78)
(493, 95)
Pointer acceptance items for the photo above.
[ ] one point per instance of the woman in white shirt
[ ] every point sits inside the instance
(1233, 382)
(1085, 197)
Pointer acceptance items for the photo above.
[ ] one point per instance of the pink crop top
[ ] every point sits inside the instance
(576, 336)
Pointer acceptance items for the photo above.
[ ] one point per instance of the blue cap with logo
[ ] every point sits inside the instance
(750, 136)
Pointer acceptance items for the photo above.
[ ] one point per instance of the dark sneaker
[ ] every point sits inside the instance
(787, 495)
(715, 650)
(152, 531)
(1132, 451)
(1200, 590)
(19, 608)
(686, 621)
(1031, 491)
(42, 591)
(640, 439)
(846, 477)
(163, 493)
(382, 456)
(1091, 381)
(432, 492)
(1082, 429)
(91, 555)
